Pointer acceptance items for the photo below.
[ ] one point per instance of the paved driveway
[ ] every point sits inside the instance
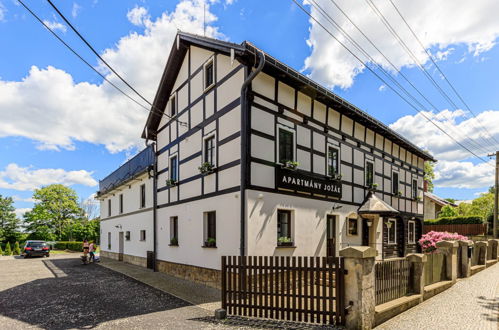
(60, 293)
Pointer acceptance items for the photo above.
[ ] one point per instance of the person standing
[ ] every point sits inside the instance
(91, 251)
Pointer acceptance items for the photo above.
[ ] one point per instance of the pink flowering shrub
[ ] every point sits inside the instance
(429, 241)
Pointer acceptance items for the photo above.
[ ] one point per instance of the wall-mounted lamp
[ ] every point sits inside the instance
(336, 207)
(369, 222)
(118, 226)
(388, 224)
(260, 196)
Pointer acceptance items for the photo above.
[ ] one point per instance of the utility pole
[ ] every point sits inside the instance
(496, 191)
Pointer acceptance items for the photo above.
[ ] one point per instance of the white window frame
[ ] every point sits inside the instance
(365, 172)
(143, 238)
(206, 137)
(291, 222)
(127, 235)
(412, 188)
(411, 240)
(109, 207)
(393, 227)
(329, 145)
(144, 204)
(175, 100)
(121, 204)
(291, 130)
(169, 166)
(210, 60)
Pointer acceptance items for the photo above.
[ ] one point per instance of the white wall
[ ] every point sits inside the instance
(309, 224)
(190, 248)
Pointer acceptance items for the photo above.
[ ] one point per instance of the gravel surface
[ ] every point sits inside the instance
(472, 303)
(61, 293)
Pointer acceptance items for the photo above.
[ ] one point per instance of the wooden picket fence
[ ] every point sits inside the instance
(306, 289)
(471, 229)
(392, 280)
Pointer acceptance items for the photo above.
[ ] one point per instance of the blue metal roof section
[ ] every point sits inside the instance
(140, 163)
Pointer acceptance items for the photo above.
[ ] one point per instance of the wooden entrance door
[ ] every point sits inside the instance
(121, 246)
(331, 235)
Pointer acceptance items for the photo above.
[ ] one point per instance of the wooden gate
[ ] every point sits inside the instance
(305, 289)
(392, 280)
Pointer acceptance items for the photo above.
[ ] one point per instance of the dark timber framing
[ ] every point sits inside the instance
(379, 152)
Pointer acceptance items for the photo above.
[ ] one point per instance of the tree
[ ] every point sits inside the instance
(56, 209)
(9, 223)
(447, 211)
(451, 200)
(17, 249)
(429, 174)
(8, 250)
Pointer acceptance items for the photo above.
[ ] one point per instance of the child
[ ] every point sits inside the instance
(91, 250)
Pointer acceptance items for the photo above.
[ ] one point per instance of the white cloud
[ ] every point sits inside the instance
(48, 106)
(439, 24)
(20, 199)
(20, 212)
(464, 174)
(2, 12)
(75, 10)
(54, 26)
(452, 168)
(382, 88)
(27, 178)
(138, 15)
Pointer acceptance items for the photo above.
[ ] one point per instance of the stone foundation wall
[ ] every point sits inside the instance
(134, 260)
(206, 276)
(110, 255)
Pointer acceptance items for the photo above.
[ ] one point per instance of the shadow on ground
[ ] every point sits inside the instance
(247, 322)
(81, 296)
(492, 305)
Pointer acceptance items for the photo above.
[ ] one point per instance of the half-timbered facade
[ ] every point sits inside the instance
(254, 158)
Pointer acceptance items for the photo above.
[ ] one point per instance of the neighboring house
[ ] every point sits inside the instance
(126, 204)
(433, 205)
(247, 131)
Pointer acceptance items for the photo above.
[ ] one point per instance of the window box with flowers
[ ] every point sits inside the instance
(206, 168)
(171, 183)
(290, 165)
(372, 187)
(210, 242)
(284, 241)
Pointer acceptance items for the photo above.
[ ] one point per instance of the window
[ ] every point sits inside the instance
(142, 235)
(127, 236)
(173, 230)
(391, 226)
(210, 229)
(109, 241)
(411, 234)
(209, 74)
(284, 227)
(109, 207)
(209, 150)
(332, 161)
(174, 168)
(369, 174)
(414, 189)
(353, 226)
(286, 145)
(142, 196)
(395, 183)
(173, 106)
(121, 203)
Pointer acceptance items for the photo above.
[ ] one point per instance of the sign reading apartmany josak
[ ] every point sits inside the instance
(299, 181)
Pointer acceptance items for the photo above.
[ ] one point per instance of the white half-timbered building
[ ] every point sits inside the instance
(254, 158)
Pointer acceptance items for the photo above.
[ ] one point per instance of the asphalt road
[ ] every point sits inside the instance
(61, 293)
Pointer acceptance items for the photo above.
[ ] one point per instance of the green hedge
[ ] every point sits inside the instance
(72, 246)
(475, 219)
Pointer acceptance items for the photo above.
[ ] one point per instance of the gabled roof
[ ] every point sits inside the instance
(438, 200)
(374, 205)
(247, 53)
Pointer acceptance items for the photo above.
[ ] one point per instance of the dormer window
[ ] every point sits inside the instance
(209, 74)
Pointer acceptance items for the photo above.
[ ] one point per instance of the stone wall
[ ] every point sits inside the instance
(206, 276)
(110, 255)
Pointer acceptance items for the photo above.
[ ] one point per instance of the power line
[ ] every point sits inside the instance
(160, 113)
(439, 70)
(418, 63)
(380, 78)
(363, 51)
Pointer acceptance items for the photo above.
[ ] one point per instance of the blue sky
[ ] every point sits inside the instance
(54, 108)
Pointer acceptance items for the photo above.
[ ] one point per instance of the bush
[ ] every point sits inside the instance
(1, 251)
(17, 250)
(8, 250)
(429, 241)
(72, 246)
(472, 219)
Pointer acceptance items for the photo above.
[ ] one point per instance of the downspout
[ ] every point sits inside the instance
(244, 143)
(155, 201)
